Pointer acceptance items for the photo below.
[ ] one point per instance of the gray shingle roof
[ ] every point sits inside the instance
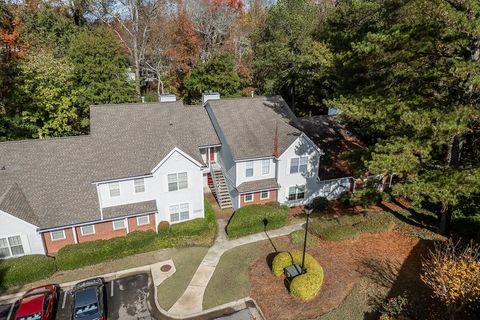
(249, 125)
(56, 175)
(128, 209)
(14, 202)
(258, 185)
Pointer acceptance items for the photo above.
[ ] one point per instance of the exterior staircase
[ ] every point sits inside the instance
(220, 190)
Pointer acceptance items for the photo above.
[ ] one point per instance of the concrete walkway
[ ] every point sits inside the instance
(191, 302)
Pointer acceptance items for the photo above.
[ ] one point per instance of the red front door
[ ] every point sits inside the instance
(212, 154)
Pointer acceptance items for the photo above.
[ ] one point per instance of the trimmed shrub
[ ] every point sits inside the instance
(368, 196)
(275, 204)
(320, 204)
(22, 270)
(298, 237)
(250, 219)
(284, 259)
(338, 233)
(305, 286)
(197, 232)
(163, 227)
(347, 199)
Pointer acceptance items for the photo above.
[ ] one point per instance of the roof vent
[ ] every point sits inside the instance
(168, 98)
(3, 168)
(210, 96)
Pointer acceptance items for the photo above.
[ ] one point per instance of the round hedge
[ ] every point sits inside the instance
(307, 285)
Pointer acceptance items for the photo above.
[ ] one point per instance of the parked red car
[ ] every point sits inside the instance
(37, 304)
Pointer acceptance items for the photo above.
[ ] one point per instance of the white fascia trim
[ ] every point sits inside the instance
(170, 154)
(260, 190)
(209, 146)
(19, 220)
(147, 175)
(306, 138)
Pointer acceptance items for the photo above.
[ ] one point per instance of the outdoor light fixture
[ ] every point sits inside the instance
(295, 270)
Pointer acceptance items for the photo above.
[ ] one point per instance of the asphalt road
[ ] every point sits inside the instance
(127, 298)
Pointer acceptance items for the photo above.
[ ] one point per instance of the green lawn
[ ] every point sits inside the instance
(230, 281)
(186, 263)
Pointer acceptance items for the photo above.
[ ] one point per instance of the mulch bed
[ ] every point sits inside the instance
(379, 256)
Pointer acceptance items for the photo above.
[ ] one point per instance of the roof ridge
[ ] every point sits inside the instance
(81, 136)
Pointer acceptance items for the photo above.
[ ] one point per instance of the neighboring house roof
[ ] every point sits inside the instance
(128, 209)
(249, 125)
(258, 185)
(56, 175)
(334, 139)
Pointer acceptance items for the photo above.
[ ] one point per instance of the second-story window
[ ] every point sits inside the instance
(177, 181)
(298, 164)
(139, 185)
(266, 166)
(114, 188)
(249, 169)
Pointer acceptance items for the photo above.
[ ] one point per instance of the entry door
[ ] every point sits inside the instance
(212, 154)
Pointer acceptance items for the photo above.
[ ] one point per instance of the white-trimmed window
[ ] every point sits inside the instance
(248, 197)
(143, 220)
(177, 181)
(296, 193)
(119, 224)
(139, 185)
(179, 212)
(87, 230)
(264, 195)
(11, 246)
(298, 164)
(57, 235)
(114, 188)
(249, 169)
(266, 166)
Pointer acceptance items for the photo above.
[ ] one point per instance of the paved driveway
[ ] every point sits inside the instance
(127, 298)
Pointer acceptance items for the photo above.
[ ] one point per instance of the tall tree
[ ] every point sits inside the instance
(48, 93)
(132, 22)
(219, 74)
(100, 67)
(288, 59)
(409, 83)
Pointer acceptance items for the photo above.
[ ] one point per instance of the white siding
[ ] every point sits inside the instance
(301, 147)
(156, 188)
(12, 226)
(257, 171)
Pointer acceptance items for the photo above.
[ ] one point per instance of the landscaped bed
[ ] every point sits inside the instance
(257, 218)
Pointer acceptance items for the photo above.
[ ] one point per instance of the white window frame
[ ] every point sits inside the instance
(261, 195)
(114, 187)
(176, 209)
(297, 187)
(63, 233)
(9, 246)
(177, 181)
(139, 185)
(265, 167)
(249, 165)
(87, 233)
(143, 224)
(302, 161)
(118, 220)
(245, 197)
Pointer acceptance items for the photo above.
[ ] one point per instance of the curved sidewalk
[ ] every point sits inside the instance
(191, 302)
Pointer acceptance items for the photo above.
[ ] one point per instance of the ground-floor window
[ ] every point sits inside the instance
(248, 197)
(296, 193)
(11, 246)
(57, 235)
(119, 224)
(179, 212)
(264, 195)
(87, 230)
(143, 220)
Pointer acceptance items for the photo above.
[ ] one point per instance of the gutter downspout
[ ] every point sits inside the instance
(99, 202)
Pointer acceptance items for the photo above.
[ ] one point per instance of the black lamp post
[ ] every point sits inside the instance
(308, 211)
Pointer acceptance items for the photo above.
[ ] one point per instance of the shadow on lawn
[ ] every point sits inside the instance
(415, 218)
(402, 279)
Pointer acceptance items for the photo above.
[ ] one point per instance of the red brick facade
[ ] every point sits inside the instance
(103, 230)
(257, 198)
